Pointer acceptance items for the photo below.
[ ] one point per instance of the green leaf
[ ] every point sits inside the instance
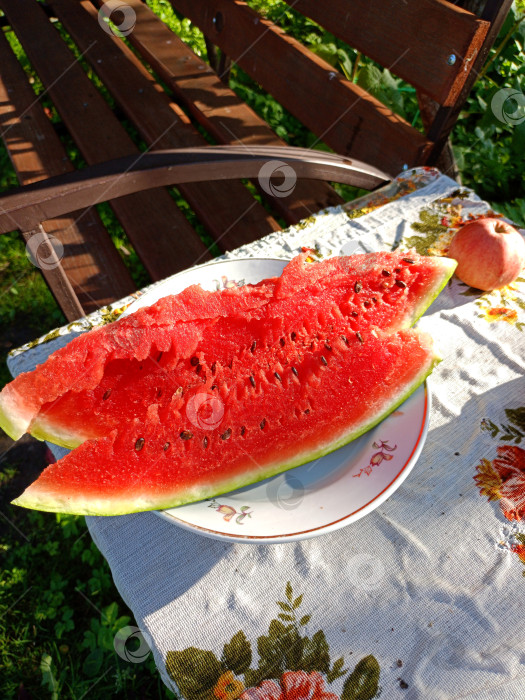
(93, 662)
(48, 679)
(289, 591)
(110, 614)
(369, 78)
(195, 672)
(297, 602)
(284, 606)
(288, 618)
(316, 654)
(237, 655)
(305, 619)
(336, 671)
(363, 682)
(516, 416)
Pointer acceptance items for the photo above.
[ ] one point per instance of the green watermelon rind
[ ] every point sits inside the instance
(448, 266)
(63, 438)
(198, 493)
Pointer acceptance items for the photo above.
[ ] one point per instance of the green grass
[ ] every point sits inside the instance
(58, 606)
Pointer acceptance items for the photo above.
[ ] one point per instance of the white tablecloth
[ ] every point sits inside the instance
(423, 598)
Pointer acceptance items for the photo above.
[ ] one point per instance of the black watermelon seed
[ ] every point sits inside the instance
(401, 284)
(205, 442)
(243, 430)
(293, 335)
(252, 380)
(277, 376)
(194, 361)
(368, 303)
(139, 444)
(159, 358)
(397, 269)
(295, 371)
(328, 347)
(198, 368)
(141, 366)
(409, 261)
(355, 313)
(230, 364)
(227, 434)
(344, 339)
(282, 342)
(107, 394)
(213, 367)
(262, 423)
(385, 273)
(166, 446)
(307, 411)
(374, 299)
(159, 393)
(323, 360)
(186, 435)
(213, 386)
(254, 345)
(359, 337)
(358, 287)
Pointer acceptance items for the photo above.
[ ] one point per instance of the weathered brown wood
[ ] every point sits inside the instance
(446, 117)
(216, 107)
(123, 176)
(415, 38)
(42, 251)
(91, 262)
(340, 113)
(228, 211)
(160, 233)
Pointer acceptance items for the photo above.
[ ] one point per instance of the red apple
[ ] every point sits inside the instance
(490, 253)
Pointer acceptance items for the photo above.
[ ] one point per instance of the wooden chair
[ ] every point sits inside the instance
(172, 100)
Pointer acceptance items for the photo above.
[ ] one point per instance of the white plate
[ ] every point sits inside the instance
(317, 497)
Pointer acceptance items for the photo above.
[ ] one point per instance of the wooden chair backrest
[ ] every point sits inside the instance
(94, 80)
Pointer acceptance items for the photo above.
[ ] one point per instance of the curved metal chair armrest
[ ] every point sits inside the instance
(29, 205)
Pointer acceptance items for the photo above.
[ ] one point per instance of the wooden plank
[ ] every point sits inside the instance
(96, 272)
(160, 233)
(216, 107)
(42, 247)
(431, 30)
(228, 210)
(341, 114)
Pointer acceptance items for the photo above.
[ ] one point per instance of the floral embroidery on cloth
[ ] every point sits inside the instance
(291, 665)
(503, 478)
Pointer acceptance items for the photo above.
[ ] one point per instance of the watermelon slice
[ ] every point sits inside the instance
(206, 392)
(132, 361)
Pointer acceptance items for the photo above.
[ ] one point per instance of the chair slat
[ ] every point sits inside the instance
(161, 234)
(362, 127)
(91, 262)
(228, 210)
(216, 107)
(431, 30)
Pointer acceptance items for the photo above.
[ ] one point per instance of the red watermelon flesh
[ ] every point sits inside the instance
(209, 441)
(352, 294)
(80, 366)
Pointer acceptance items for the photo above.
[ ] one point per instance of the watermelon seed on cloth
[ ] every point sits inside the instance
(315, 302)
